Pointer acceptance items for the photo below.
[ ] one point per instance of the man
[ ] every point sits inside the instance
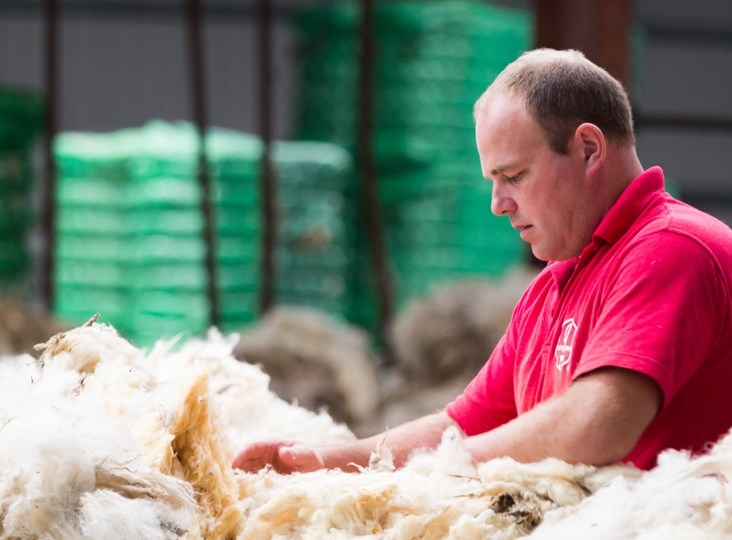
(622, 346)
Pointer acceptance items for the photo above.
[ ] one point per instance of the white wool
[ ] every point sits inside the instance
(20, 369)
(436, 495)
(101, 440)
(450, 458)
(103, 421)
(249, 409)
(53, 453)
(693, 494)
(43, 473)
(106, 515)
(315, 359)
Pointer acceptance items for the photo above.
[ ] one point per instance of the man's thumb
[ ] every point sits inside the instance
(290, 455)
(300, 458)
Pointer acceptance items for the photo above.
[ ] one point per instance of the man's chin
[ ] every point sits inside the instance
(538, 254)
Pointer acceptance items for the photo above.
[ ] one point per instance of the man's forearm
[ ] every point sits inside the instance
(425, 432)
(597, 421)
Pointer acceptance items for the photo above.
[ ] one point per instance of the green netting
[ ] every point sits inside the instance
(316, 211)
(16, 173)
(432, 61)
(21, 117)
(14, 259)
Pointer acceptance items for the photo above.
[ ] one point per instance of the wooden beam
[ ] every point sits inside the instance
(601, 29)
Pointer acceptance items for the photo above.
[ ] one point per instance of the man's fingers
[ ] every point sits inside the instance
(283, 457)
(257, 456)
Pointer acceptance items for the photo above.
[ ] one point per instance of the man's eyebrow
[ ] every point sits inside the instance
(499, 170)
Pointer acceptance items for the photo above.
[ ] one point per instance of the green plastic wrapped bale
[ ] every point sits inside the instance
(314, 257)
(433, 59)
(21, 115)
(21, 118)
(130, 217)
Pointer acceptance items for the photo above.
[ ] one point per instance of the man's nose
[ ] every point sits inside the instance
(501, 202)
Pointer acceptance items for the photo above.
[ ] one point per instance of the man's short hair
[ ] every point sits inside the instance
(563, 89)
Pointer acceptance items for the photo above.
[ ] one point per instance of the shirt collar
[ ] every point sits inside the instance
(618, 220)
(629, 205)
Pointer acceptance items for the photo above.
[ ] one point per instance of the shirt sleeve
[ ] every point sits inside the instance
(661, 312)
(488, 401)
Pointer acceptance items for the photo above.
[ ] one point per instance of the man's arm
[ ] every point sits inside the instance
(287, 457)
(597, 421)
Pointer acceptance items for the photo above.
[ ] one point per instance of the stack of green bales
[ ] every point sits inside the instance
(21, 115)
(130, 244)
(433, 60)
(315, 249)
(92, 242)
(168, 273)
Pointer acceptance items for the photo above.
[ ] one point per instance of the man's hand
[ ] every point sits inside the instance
(283, 457)
(289, 457)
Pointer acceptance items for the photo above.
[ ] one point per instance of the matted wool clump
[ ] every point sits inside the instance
(316, 360)
(101, 440)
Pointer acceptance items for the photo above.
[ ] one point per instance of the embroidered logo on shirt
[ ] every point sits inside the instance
(563, 352)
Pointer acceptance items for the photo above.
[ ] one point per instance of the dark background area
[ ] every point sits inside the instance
(124, 62)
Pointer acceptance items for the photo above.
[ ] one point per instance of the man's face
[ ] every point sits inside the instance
(544, 194)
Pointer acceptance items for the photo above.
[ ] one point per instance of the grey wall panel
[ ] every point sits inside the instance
(21, 52)
(697, 163)
(233, 75)
(706, 14)
(682, 80)
(122, 72)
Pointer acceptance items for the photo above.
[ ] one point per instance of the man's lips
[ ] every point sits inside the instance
(523, 229)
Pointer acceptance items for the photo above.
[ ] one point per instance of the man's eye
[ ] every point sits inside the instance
(514, 178)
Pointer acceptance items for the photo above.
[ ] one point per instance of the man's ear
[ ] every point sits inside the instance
(590, 139)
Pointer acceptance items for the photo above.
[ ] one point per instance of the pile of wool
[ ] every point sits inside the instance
(683, 498)
(436, 495)
(100, 440)
(316, 361)
(441, 340)
(454, 329)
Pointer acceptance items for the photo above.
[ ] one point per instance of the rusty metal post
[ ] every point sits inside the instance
(198, 86)
(368, 177)
(48, 192)
(267, 175)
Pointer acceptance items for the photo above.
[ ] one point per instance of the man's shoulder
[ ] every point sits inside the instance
(676, 224)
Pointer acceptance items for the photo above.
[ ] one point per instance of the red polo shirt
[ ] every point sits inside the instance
(651, 293)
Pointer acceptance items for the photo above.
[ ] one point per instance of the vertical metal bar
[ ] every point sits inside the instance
(267, 178)
(368, 178)
(198, 86)
(48, 191)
